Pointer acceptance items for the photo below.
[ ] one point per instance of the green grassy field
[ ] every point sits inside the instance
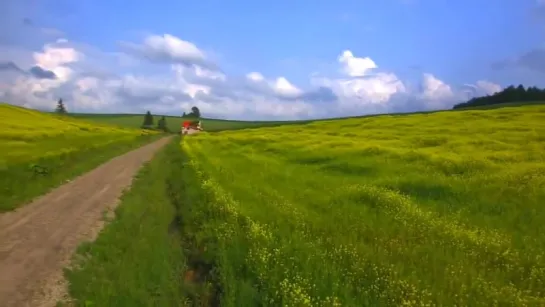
(213, 125)
(39, 151)
(138, 258)
(420, 210)
(174, 123)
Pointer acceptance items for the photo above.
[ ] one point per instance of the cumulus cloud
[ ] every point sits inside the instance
(90, 80)
(41, 73)
(354, 66)
(482, 88)
(435, 89)
(169, 49)
(358, 87)
(284, 88)
(255, 76)
(35, 71)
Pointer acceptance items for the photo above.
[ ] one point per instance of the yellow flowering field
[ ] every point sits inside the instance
(442, 209)
(39, 150)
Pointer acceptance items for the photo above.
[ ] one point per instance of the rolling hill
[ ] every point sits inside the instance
(174, 123)
(40, 150)
(418, 210)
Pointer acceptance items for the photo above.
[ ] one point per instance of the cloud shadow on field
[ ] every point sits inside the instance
(343, 168)
(424, 189)
(311, 160)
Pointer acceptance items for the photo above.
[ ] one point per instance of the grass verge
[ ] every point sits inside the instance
(148, 255)
(137, 260)
(21, 182)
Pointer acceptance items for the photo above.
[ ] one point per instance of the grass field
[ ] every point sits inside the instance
(213, 125)
(174, 123)
(39, 151)
(138, 259)
(420, 210)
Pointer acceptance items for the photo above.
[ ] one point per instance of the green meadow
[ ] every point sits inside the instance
(442, 209)
(174, 122)
(39, 151)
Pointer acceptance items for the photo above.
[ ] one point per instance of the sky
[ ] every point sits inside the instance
(266, 59)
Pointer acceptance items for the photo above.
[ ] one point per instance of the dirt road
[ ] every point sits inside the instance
(38, 240)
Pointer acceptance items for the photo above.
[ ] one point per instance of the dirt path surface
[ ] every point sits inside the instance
(38, 240)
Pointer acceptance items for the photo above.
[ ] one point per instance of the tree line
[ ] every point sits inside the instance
(508, 94)
(162, 123)
(148, 122)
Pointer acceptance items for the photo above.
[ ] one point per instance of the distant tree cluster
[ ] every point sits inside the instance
(195, 113)
(148, 123)
(509, 94)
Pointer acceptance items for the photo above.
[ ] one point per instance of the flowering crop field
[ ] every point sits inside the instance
(442, 209)
(39, 150)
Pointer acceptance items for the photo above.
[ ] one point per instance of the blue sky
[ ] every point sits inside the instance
(425, 54)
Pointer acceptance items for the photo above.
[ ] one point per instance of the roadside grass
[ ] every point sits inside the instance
(137, 259)
(421, 210)
(40, 151)
(174, 122)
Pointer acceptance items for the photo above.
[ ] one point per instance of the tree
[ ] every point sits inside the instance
(196, 112)
(148, 121)
(61, 109)
(162, 124)
(510, 94)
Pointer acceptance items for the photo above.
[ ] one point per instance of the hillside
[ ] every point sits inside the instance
(442, 208)
(500, 105)
(213, 125)
(174, 122)
(39, 150)
(519, 95)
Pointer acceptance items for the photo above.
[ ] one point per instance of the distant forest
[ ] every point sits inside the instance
(509, 94)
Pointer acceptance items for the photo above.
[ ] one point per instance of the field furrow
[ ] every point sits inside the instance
(373, 211)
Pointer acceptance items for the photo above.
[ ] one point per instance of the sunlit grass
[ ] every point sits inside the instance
(39, 151)
(428, 209)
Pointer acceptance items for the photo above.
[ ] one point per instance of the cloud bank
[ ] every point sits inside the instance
(167, 74)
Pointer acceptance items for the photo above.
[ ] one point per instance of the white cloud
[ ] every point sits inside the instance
(480, 88)
(354, 66)
(210, 74)
(96, 81)
(169, 49)
(435, 89)
(55, 59)
(284, 88)
(173, 47)
(255, 76)
(359, 87)
(488, 87)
